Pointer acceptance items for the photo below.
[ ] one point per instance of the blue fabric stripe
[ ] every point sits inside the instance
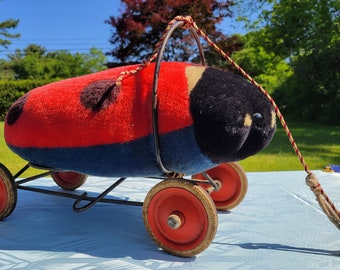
(179, 151)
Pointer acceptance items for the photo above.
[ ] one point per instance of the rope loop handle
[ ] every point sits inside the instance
(187, 22)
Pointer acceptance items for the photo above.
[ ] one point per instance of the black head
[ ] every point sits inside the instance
(232, 118)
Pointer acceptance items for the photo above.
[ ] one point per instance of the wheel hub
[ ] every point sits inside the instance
(175, 221)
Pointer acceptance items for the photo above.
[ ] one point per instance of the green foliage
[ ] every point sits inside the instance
(5, 26)
(10, 91)
(268, 69)
(35, 63)
(6, 72)
(299, 28)
(306, 33)
(94, 61)
(313, 92)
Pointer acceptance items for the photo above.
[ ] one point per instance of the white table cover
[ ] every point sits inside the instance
(279, 225)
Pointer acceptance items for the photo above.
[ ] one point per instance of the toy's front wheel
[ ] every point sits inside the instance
(69, 180)
(180, 217)
(8, 192)
(232, 182)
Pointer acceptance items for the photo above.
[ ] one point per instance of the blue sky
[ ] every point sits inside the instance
(74, 25)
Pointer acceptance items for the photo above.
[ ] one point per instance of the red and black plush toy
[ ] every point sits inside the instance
(91, 125)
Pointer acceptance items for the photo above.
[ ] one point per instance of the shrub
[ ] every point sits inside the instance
(10, 91)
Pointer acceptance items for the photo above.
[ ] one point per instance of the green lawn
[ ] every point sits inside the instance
(319, 144)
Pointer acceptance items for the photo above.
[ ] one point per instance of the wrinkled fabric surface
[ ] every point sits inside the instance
(279, 225)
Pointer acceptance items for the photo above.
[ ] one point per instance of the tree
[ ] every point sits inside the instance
(36, 50)
(313, 47)
(307, 34)
(95, 60)
(6, 72)
(299, 28)
(5, 26)
(141, 23)
(36, 63)
(267, 68)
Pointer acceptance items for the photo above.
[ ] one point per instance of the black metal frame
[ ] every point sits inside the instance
(79, 198)
(84, 197)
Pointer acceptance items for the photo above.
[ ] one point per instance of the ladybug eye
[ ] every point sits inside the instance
(257, 116)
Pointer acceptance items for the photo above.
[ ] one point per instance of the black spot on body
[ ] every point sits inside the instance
(99, 95)
(16, 109)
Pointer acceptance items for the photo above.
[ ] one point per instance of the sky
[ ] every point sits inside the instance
(73, 25)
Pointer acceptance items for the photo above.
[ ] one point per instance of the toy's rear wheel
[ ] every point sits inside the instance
(180, 217)
(232, 182)
(8, 192)
(69, 180)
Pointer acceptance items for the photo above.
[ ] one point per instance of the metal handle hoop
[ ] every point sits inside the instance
(155, 87)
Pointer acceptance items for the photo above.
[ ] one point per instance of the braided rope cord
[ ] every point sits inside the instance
(311, 180)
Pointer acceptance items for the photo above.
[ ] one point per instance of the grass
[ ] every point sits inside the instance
(319, 144)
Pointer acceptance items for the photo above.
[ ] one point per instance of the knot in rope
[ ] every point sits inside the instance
(325, 203)
(313, 183)
(188, 21)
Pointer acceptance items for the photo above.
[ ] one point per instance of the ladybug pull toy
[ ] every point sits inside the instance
(90, 125)
(162, 119)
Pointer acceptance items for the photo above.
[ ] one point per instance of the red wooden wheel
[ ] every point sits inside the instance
(69, 180)
(180, 217)
(3, 195)
(8, 192)
(232, 182)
